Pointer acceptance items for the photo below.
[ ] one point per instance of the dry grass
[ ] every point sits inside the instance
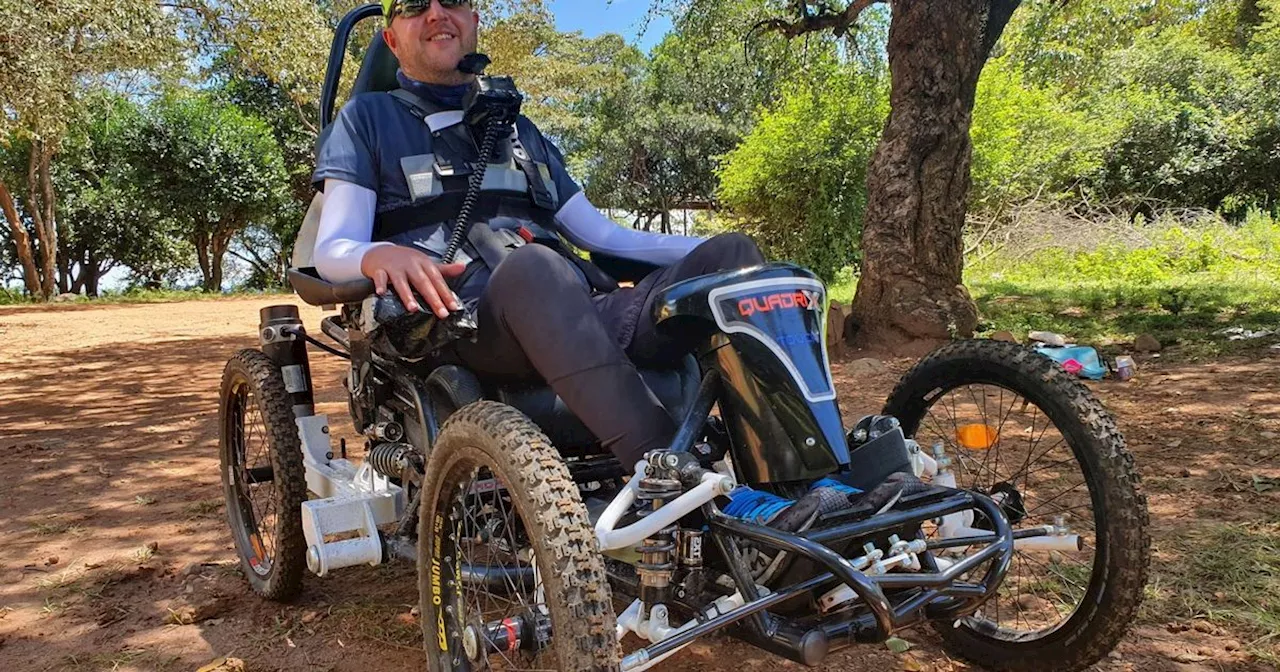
(205, 508)
(110, 662)
(56, 527)
(1228, 574)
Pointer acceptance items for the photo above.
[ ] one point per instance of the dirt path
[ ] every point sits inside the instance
(115, 553)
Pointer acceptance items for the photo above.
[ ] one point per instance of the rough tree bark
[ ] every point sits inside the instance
(909, 294)
(40, 207)
(21, 240)
(210, 250)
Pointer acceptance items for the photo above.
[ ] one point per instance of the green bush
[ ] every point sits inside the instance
(797, 183)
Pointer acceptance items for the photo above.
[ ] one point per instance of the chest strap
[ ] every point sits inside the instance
(437, 119)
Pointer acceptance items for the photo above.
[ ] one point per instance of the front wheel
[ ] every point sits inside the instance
(262, 475)
(1019, 428)
(509, 573)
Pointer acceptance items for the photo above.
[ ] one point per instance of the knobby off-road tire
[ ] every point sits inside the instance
(498, 442)
(1119, 571)
(257, 430)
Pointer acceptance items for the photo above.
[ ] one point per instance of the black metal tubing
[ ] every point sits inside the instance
(884, 617)
(337, 53)
(319, 344)
(840, 568)
(958, 500)
(281, 336)
(696, 418)
(756, 606)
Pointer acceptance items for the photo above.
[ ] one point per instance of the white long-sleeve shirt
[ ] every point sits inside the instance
(346, 231)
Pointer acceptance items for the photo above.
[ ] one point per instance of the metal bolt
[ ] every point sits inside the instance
(811, 442)
(869, 548)
(324, 430)
(672, 461)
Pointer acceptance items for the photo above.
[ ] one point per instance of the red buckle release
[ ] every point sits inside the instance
(525, 233)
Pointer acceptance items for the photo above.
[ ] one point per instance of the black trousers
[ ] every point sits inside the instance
(538, 321)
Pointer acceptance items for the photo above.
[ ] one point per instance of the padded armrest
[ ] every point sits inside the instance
(621, 269)
(319, 292)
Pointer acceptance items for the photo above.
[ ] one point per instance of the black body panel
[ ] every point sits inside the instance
(777, 397)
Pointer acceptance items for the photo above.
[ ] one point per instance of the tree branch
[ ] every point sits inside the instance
(837, 22)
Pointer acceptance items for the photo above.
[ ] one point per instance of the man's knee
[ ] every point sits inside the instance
(534, 270)
(731, 250)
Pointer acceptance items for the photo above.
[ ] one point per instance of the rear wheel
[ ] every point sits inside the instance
(509, 573)
(262, 475)
(1019, 428)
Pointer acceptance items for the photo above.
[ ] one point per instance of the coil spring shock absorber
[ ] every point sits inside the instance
(392, 459)
(657, 553)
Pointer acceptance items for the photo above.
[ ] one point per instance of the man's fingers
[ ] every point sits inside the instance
(423, 282)
(442, 286)
(401, 283)
(380, 282)
(452, 270)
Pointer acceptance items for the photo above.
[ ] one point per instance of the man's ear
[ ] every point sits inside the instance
(475, 17)
(389, 37)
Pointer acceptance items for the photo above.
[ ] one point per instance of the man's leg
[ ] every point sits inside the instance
(629, 311)
(537, 319)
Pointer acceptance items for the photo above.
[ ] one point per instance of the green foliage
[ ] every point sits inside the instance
(1026, 142)
(797, 183)
(218, 169)
(107, 218)
(1183, 284)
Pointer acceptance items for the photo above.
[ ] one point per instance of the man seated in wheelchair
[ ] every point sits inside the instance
(394, 171)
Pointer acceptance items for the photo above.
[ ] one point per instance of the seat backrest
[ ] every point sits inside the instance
(378, 70)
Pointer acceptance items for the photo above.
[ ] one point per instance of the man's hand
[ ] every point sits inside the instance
(407, 269)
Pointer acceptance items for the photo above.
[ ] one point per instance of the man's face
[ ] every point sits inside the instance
(430, 44)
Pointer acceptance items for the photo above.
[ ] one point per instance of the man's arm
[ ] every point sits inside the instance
(346, 229)
(588, 228)
(344, 252)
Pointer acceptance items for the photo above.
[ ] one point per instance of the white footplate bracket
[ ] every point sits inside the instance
(341, 527)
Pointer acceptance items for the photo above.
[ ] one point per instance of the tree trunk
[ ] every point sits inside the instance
(202, 258)
(909, 295)
(22, 241)
(92, 274)
(221, 243)
(40, 204)
(66, 280)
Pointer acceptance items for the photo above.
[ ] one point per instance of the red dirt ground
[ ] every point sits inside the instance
(116, 555)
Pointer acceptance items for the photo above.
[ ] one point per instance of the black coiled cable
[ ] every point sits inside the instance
(491, 132)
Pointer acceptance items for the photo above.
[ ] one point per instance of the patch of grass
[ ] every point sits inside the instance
(53, 607)
(144, 553)
(382, 623)
(1181, 286)
(130, 658)
(1226, 573)
(203, 508)
(144, 500)
(55, 527)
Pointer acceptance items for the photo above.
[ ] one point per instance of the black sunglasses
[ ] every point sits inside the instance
(412, 8)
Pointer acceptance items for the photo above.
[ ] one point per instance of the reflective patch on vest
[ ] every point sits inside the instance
(442, 120)
(498, 177)
(420, 174)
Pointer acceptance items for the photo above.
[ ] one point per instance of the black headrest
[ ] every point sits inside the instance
(378, 71)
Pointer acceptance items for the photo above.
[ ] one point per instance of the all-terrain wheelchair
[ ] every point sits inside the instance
(992, 496)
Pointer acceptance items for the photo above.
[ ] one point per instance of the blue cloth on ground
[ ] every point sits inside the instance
(1093, 368)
